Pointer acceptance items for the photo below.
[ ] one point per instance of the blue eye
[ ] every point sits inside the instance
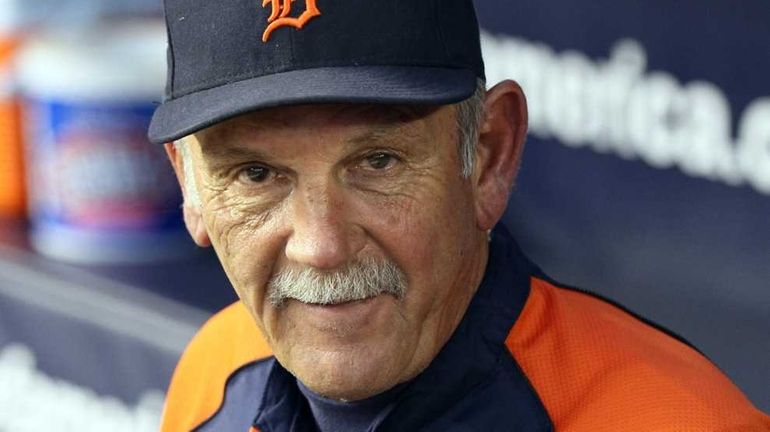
(380, 160)
(257, 174)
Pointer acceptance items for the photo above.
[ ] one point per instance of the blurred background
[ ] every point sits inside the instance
(646, 179)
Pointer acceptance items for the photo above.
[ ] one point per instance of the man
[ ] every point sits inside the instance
(349, 168)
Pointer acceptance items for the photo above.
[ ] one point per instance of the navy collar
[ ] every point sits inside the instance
(474, 383)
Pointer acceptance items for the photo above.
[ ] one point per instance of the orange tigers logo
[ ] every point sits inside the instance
(279, 17)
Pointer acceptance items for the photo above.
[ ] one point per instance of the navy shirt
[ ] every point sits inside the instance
(337, 416)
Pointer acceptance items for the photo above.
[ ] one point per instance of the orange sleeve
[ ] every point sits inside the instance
(224, 344)
(597, 368)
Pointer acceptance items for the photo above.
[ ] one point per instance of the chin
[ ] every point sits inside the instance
(349, 351)
(349, 373)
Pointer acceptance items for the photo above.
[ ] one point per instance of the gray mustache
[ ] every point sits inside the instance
(362, 279)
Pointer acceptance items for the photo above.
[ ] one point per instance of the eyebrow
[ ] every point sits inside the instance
(218, 155)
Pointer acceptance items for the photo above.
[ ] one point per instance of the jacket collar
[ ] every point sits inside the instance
(474, 383)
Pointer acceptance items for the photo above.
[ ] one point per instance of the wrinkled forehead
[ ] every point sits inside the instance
(366, 119)
(294, 117)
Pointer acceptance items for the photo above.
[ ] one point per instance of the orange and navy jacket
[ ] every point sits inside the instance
(528, 356)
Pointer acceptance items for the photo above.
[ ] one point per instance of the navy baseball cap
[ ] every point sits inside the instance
(230, 57)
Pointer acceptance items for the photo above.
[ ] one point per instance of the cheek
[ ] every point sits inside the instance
(247, 243)
(424, 230)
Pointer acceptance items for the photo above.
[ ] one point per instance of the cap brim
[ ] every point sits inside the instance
(188, 114)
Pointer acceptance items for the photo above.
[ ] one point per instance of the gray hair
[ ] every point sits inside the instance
(470, 114)
(192, 197)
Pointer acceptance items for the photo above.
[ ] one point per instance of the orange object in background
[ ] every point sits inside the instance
(12, 182)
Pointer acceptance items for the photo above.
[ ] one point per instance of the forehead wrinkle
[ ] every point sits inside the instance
(229, 141)
(223, 139)
(394, 130)
(228, 150)
(376, 135)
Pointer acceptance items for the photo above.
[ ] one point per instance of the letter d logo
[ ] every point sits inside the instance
(279, 17)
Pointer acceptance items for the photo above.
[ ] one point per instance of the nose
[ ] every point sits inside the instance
(322, 235)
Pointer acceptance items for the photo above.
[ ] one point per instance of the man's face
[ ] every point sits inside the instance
(321, 190)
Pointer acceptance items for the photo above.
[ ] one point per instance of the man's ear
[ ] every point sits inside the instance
(501, 142)
(193, 218)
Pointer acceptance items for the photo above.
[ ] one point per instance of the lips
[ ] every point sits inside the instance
(350, 317)
(343, 303)
(343, 307)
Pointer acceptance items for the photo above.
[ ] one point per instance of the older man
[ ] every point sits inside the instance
(349, 168)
